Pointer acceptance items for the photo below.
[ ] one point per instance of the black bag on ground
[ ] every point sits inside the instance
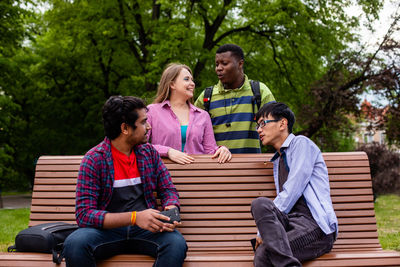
(45, 238)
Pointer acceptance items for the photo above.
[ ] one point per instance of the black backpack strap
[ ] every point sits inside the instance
(255, 88)
(12, 248)
(58, 254)
(207, 98)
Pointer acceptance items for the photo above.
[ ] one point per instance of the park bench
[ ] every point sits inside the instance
(215, 200)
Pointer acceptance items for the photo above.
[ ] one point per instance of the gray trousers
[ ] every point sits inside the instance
(288, 239)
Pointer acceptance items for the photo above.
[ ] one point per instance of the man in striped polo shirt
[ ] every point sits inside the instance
(232, 108)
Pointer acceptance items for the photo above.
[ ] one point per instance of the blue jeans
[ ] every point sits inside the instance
(86, 245)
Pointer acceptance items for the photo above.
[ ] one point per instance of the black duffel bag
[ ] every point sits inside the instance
(45, 238)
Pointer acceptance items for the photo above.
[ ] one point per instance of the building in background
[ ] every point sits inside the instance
(370, 128)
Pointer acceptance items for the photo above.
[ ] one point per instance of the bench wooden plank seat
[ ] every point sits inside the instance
(216, 219)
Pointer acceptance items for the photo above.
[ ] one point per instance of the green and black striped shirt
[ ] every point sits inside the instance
(234, 107)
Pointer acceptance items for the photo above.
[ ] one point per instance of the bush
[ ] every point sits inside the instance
(385, 168)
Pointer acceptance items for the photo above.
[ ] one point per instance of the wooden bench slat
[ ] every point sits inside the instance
(54, 217)
(209, 228)
(355, 155)
(55, 188)
(60, 161)
(56, 174)
(59, 168)
(246, 207)
(244, 236)
(55, 181)
(357, 241)
(70, 178)
(190, 183)
(261, 172)
(239, 245)
(378, 261)
(347, 221)
(247, 215)
(52, 209)
(260, 179)
(189, 202)
(216, 171)
(352, 247)
(350, 198)
(350, 206)
(268, 165)
(216, 187)
(54, 202)
(244, 223)
(53, 195)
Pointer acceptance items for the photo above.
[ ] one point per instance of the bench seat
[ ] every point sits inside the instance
(216, 219)
(333, 259)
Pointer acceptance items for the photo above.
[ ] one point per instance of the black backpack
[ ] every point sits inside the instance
(45, 238)
(255, 88)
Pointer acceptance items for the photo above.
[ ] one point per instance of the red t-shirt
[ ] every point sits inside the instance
(127, 188)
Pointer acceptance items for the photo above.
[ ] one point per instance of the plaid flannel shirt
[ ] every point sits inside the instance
(96, 177)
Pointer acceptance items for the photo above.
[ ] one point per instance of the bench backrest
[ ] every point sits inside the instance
(216, 198)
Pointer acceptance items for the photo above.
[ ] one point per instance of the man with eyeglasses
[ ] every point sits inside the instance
(300, 223)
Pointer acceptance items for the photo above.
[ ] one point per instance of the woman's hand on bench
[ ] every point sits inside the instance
(223, 154)
(179, 157)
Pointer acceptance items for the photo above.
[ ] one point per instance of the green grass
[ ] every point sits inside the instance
(11, 222)
(387, 211)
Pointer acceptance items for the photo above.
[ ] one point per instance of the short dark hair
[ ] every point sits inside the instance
(234, 49)
(118, 110)
(278, 110)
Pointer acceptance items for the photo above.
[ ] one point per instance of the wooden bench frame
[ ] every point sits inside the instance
(215, 200)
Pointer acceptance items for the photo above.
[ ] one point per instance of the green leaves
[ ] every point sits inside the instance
(81, 52)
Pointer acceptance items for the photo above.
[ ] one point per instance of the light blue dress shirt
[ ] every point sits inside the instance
(308, 176)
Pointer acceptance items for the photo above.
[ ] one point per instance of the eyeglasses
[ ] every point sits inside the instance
(263, 123)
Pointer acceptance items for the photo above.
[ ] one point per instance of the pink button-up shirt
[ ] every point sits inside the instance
(165, 130)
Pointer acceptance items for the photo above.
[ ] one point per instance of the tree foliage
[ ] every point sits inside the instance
(350, 74)
(12, 33)
(83, 51)
(385, 168)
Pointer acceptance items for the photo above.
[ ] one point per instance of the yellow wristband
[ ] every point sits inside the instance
(133, 217)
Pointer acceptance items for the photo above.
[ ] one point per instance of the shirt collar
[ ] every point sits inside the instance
(166, 103)
(105, 146)
(222, 90)
(191, 106)
(285, 145)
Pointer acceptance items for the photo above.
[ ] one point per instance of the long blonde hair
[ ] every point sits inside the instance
(168, 76)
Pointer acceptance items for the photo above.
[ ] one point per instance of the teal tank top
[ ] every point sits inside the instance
(183, 135)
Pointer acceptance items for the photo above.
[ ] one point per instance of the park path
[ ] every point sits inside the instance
(17, 201)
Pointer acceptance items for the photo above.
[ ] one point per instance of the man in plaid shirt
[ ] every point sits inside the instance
(116, 209)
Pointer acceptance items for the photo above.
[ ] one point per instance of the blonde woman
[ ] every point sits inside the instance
(178, 128)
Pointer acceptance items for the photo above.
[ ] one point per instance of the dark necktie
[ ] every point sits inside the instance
(283, 171)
